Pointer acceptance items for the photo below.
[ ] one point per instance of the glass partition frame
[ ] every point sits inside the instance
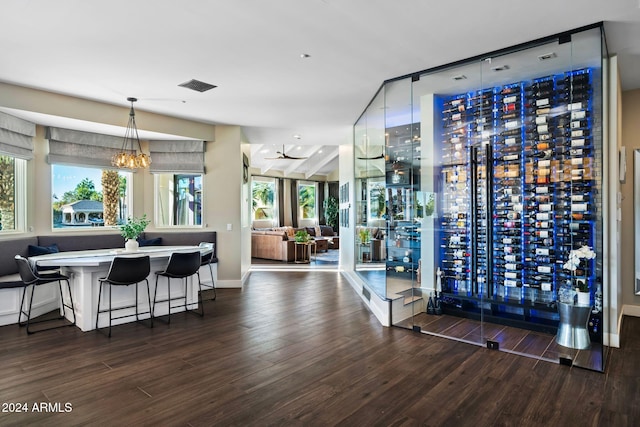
(491, 296)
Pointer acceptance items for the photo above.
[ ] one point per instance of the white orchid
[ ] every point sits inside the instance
(585, 252)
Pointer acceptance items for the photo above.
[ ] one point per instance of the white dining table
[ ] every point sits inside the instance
(85, 267)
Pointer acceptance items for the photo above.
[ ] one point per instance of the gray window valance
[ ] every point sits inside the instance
(16, 136)
(80, 148)
(177, 156)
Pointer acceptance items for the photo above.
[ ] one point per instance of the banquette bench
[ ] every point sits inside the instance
(11, 284)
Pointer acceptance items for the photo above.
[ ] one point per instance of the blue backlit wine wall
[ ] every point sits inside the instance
(520, 188)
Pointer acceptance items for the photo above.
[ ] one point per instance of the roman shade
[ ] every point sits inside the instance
(16, 136)
(177, 156)
(80, 148)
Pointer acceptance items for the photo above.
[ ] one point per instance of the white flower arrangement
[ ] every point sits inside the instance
(585, 252)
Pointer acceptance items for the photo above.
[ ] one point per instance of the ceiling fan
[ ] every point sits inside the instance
(284, 156)
(381, 156)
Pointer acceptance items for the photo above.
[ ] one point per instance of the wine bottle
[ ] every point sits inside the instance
(572, 97)
(540, 85)
(576, 226)
(577, 78)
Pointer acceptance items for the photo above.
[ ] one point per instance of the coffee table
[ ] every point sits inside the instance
(322, 244)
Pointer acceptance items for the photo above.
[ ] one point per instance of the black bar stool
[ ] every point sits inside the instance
(31, 278)
(181, 265)
(125, 271)
(208, 259)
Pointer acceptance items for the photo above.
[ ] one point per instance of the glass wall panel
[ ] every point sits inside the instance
(369, 140)
(494, 215)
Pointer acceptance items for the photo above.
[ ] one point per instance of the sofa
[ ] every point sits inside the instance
(278, 244)
(11, 284)
(330, 238)
(272, 244)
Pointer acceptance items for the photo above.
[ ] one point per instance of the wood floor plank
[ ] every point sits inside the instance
(301, 349)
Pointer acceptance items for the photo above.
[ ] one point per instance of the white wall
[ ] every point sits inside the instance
(222, 181)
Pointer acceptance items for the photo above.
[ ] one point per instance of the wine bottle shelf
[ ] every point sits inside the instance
(519, 190)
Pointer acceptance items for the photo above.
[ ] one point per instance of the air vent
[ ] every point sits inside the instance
(546, 56)
(459, 77)
(197, 85)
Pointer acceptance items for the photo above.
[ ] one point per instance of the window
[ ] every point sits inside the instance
(178, 199)
(263, 199)
(12, 194)
(307, 201)
(86, 197)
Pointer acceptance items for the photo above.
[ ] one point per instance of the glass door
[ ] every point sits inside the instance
(494, 183)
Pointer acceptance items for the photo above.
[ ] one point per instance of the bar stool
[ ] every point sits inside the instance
(125, 271)
(208, 259)
(31, 278)
(181, 265)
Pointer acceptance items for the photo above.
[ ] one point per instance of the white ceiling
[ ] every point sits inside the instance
(251, 49)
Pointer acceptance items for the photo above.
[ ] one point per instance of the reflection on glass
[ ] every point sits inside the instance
(492, 180)
(178, 199)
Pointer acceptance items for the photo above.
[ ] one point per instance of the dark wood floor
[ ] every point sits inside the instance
(299, 348)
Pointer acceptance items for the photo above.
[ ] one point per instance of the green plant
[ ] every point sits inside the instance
(331, 211)
(582, 285)
(378, 201)
(262, 199)
(134, 227)
(301, 236)
(430, 205)
(365, 235)
(307, 200)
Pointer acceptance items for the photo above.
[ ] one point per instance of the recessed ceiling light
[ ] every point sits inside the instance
(305, 55)
(319, 151)
(500, 68)
(296, 136)
(546, 56)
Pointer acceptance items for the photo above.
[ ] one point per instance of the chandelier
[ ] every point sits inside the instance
(129, 157)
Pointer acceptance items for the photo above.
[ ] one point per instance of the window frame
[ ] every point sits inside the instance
(316, 216)
(19, 197)
(157, 213)
(128, 199)
(275, 204)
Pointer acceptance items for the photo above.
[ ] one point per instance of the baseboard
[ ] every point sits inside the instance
(229, 284)
(631, 310)
(612, 340)
(380, 308)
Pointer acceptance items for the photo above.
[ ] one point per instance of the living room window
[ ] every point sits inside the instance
(307, 201)
(85, 197)
(178, 199)
(264, 198)
(12, 194)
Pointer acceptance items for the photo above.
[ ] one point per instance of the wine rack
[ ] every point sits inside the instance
(519, 191)
(403, 237)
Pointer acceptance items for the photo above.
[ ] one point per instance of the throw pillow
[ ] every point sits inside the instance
(318, 232)
(291, 232)
(42, 250)
(326, 230)
(150, 242)
(34, 250)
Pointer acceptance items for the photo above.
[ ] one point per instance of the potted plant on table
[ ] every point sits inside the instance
(301, 236)
(365, 236)
(131, 230)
